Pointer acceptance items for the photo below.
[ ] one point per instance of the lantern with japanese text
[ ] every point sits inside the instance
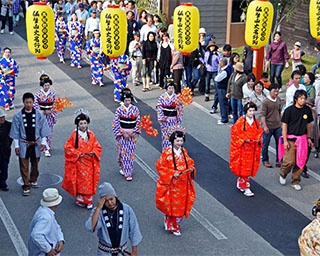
(40, 29)
(113, 23)
(314, 17)
(186, 23)
(258, 23)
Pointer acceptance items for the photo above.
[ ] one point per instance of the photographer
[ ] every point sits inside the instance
(135, 53)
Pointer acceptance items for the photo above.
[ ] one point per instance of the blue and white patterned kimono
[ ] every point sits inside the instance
(120, 76)
(4, 94)
(6, 65)
(75, 30)
(93, 48)
(61, 35)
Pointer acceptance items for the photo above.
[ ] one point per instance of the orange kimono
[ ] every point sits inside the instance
(245, 156)
(82, 174)
(175, 196)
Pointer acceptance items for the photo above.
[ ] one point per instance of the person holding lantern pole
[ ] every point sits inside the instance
(126, 127)
(94, 49)
(61, 37)
(175, 192)
(75, 30)
(169, 111)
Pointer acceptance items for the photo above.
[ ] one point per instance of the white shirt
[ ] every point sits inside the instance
(290, 93)
(133, 51)
(145, 31)
(91, 24)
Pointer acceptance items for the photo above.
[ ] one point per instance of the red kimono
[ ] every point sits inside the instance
(82, 174)
(245, 156)
(175, 196)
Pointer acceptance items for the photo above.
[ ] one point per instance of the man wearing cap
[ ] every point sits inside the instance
(29, 131)
(115, 223)
(92, 23)
(82, 13)
(5, 150)
(45, 235)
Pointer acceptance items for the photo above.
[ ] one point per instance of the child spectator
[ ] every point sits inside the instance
(265, 80)
(295, 54)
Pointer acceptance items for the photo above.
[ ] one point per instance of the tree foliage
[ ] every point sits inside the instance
(283, 9)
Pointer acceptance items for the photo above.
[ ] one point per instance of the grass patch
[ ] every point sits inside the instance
(307, 60)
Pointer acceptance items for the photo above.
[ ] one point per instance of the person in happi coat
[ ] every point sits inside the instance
(75, 30)
(82, 153)
(121, 67)
(61, 35)
(175, 192)
(125, 127)
(44, 100)
(309, 240)
(94, 50)
(245, 148)
(29, 130)
(9, 69)
(115, 223)
(169, 111)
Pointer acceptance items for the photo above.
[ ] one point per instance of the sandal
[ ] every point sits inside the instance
(149, 89)
(144, 89)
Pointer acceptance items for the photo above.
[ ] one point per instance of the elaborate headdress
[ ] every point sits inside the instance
(176, 131)
(168, 82)
(44, 78)
(316, 208)
(126, 93)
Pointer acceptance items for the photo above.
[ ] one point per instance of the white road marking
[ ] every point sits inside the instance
(194, 213)
(12, 230)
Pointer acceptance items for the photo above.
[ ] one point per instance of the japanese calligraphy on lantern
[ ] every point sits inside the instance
(113, 25)
(186, 24)
(314, 17)
(258, 23)
(40, 30)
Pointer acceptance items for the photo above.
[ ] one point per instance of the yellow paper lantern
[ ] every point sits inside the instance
(314, 17)
(186, 23)
(113, 23)
(40, 29)
(258, 23)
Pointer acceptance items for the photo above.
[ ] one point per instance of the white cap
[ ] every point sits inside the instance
(202, 31)
(298, 44)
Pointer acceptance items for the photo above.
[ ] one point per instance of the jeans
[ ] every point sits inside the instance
(223, 102)
(237, 109)
(198, 75)
(276, 133)
(209, 76)
(275, 72)
(188, 70)
(314, 68)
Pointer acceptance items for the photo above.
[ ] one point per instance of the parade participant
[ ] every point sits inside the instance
(61, 34)
(75, 30)
(115, 223)
(125, 127)
(44, 100)
(245, 148)
(169, 112)
(9, 70)
(296, 137)
(5, 150)
(94, 50)
(121, 67)
(271, 122)
(82, 153)
(29, 130)
(45, 234)
(4, 93)
(175, 192)
(309, 242)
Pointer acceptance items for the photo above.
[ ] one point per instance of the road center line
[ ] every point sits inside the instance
(194, 213)
(12, 230)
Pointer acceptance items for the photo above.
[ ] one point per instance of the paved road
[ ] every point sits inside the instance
(223, 221)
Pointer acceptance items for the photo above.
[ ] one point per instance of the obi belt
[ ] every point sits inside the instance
(128, 123)
(169, 111)
(45, 105)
